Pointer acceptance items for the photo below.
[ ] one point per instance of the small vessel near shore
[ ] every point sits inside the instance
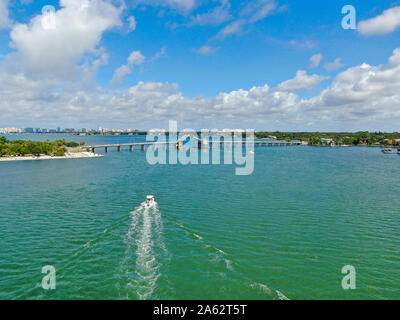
(149, 201)
(390, 151)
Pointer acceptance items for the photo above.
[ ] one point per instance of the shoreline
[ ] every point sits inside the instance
(74, 155)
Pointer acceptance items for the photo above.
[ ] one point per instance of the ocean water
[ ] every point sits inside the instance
(286, 231)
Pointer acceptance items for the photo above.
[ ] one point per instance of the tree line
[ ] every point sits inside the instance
(27, 147)
(339, 138)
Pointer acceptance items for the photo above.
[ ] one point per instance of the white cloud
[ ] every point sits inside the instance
(252, 12)
(316, 60)
(4, 19)
(301, 81)
(336, 64)
(120, 74)
(362, 92)
(135, 58)
(180, 5)
(206, 50)
(303, 43)
(161, 53)
(257, 10)
(234, 27)
(385, 23)
(79, 24)
(215, 16)
(365, 95)
(132, 23)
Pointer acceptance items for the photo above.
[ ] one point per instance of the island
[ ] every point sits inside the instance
(16, 150)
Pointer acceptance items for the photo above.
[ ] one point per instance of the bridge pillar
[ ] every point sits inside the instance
(130, 148)
(143, 147)
(119, 148)
(106, 149)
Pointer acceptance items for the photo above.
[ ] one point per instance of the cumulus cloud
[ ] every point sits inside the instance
(365, 93)
(135, 58)
(316, 60)
(336, 64)
(4, 19)
(384, 23)
(79, 23)
(361, 92)
(302, 81)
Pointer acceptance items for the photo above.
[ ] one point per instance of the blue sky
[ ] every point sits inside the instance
(183, 51)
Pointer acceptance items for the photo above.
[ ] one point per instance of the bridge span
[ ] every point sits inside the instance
(200, 144)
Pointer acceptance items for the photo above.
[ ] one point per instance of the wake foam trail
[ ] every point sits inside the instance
(219, 256)
(140, 267)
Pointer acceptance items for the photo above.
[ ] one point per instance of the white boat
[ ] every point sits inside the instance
(388, 151)
(149, 201)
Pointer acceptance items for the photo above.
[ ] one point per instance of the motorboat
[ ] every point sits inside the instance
(149, 201)
(388, 151)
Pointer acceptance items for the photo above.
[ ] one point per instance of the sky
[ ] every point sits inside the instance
(263, 64)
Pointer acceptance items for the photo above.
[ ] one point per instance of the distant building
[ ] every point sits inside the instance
(327, 142)
(28, 130)
(10, 130)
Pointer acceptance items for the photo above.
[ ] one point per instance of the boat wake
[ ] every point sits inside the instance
(233, 269)
(140, 267)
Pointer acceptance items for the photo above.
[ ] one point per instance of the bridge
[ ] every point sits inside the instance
(200, 144)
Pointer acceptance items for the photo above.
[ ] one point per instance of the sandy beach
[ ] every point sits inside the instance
(74, 155)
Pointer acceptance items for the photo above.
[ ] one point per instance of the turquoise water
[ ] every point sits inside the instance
(284, 231)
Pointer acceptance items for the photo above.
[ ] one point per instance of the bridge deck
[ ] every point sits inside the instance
(149, 143)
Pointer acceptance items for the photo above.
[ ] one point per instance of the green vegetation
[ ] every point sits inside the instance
(26, 147)
(363, 138)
